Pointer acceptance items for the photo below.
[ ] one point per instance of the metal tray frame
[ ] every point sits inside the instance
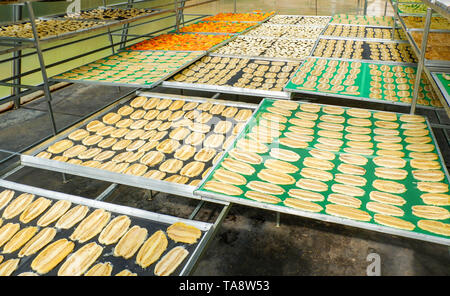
(228, 89)
(29, 158)
(325, 217)
(441, 86)
(154, 84)
(206, 228)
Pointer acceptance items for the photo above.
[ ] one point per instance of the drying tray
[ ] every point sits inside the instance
(29, 158)
(228, 88)
(262, 55)
(99, 26)
(376, 24)
(120, 20)
(149, 220)
(412, 194)
(190, 57)
(232, 37)
(272, 22)
(256, 24)
(364, 87)
(365, 47)
(365, 28)
(260, 21)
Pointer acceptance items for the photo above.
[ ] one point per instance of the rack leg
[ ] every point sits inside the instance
(394, 25)
(107, 192)
(123, 39)
(42, 64)
(64, 177)
(420, 66)
(196, 210)
(385, 7)
(278, 216)
(17, 63)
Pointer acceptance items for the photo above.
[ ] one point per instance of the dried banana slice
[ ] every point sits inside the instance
(100, 269)
(8, 267)
(181, 232)
(7, 232)
(44, 236)
(152, 249)
(52, 255)
(54, 213)
(18, 205)
(19, 239)
(36, 208)
(170, 261)
(126, 272)
(77, 263)
(72, 217)
(5, 197)
(130, 242)
(91, 226)
(114, 230)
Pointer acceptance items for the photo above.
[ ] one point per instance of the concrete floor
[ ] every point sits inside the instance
(248, 242)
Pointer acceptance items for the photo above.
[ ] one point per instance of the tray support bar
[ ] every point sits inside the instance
(420, 66)
(42, 64)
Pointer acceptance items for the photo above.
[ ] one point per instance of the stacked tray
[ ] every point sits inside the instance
(391, 84)
(153, 141)
(108, 14)
(371, 169)
(240, 17)
(364, 50)
(299, 20)
(438, 46)
(191, 42)
(364, 32)
(281, 48)
(418, 22)
(131, 68)
(286, 31)
(50, 233)
(218, 27)
(412, 8)
(364, 20)
(48, 29)
(235, 75)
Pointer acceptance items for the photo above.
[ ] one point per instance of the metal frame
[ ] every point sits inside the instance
(15, 45)
(28, 158)
(325, 217)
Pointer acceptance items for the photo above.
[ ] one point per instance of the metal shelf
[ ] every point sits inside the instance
(423, 64)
